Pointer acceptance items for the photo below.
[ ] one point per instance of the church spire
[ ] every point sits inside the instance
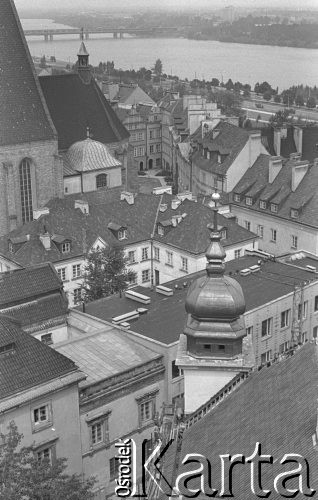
(83, 67)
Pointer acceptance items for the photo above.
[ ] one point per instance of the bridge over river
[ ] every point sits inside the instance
(84, 33)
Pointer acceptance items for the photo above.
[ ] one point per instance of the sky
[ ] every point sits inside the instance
(186, 4)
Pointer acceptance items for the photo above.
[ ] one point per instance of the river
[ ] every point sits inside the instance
(281, 66)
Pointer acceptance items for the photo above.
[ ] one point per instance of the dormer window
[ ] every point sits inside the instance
(237, 197)
(274, 207)
(248, 200)
(7, 348)
(223, 234)
(11, 248)
(294, 213)
(262, 204)
(66, 247)
(219, 158)
(122, 234)
(161, 231)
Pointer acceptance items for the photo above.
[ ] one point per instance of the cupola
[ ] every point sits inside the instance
(83, 68)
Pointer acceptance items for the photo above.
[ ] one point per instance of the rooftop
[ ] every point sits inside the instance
(23, 112)
(105, 353)
(165, 317)
(25, 362)
(258, 411)
(75, 105)
(88, 155)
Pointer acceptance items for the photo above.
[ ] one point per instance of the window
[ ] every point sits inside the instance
(175, 370)
(11, 248)
(302, 310)
(145, 275)
(41, 416)
(156, 253)
(158, 148)
(46, 338)
(294, 213)
(316, 303)
(237, 197)
(184, 264)
(294, 241)
(133, 279)
(26, 190)
(77, 294)
(122, 234)
(98, 432)
(45, 454)
(169, 258)
(76, 271)
(262, 204)
(101, 181)
(249, 330)
(260, 231)
(248, 200)
(5, 349)
(113, 468)
(151, 134)
(144, 253)
(131, 257)
(160, 230)
(284, 347)
(237, 253)
(304, 337)
(223, 234)
(139, 151)
(267, 327)
(140, 136)
(247, 225)
(266, 356)
(315, 332)
(66, 247)
(273, 235)
(151, 149)
(284, 318)
(305, 309)
(274, 207)
(62, 273)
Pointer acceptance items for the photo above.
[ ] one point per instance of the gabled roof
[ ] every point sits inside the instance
(192, 235)
(24, 284)
(75, 105)
(31, 363)
(230, 138)
(276, 407)
(23, 113)
(130, 95)
(255, 183)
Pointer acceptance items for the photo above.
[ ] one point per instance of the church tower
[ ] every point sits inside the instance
(31, 173)
(211, 350)
(83, 68)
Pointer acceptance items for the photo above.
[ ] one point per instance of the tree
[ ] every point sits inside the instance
(23, 476)
(105, 273)
(311, 102)
(267, 95)
(158, 67)
(215, 82)
(299, 101)
(277, 98)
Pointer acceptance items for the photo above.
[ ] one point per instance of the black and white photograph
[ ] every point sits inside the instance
(158, 249)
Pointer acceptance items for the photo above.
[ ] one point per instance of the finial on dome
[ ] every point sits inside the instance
(88, 132)
(215, 254)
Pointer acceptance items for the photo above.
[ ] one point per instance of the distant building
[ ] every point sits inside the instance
(277, 199)
(126, 96)
(39, 391)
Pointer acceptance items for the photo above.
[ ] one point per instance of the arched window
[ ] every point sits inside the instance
(26, 190)
(101, 180)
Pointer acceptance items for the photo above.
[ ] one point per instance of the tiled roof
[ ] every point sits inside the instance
(166, 316)
(310, 139)
(133, 95)
(23, 284)
(75, 105)
(89, 155)
(230, 138)
(255, 184)
(276, 407)
(82, 230)
(192, 234)
(23, 113)
(45, 310)
(105, 353)
(30, 363)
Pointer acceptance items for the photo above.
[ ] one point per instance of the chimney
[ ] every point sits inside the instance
(295, 157)
(298, 139)
(175, 203)
(215, 133)
(82, 205)
(298, 173)
(274, 167)
(40, 211)
(277, 141)
(46, 240)
(129, 197)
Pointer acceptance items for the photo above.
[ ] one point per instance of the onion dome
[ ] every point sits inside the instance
(88, 155)
(215, 302)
